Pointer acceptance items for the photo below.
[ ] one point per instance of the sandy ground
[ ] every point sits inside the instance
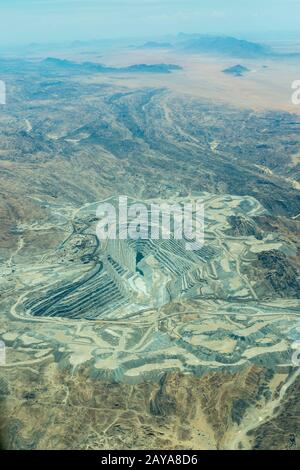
(268, 85)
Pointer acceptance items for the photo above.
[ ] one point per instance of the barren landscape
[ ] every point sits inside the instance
(142, 344)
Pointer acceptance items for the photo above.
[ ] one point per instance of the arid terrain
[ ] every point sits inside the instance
(142, 344)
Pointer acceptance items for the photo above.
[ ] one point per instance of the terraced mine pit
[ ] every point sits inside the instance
(141, 343)
(135, 309)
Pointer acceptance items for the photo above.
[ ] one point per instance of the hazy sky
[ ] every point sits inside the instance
(24, 21)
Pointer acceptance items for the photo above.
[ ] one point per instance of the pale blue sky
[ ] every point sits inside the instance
(24, 21)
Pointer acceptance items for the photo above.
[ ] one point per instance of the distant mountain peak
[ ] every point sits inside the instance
(223, 45)
(155, 45)
(53, 63)
(236, 70)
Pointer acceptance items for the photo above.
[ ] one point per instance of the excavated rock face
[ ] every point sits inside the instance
(119, 277)
(132, 310)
